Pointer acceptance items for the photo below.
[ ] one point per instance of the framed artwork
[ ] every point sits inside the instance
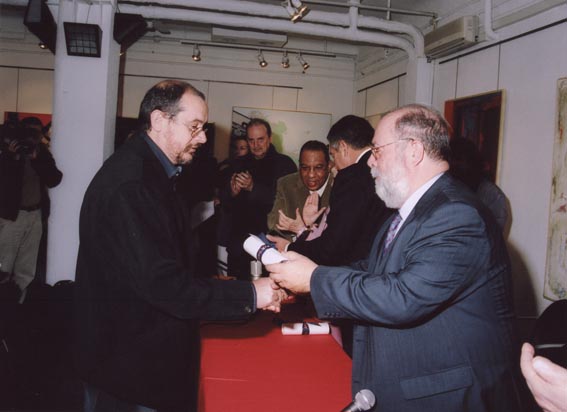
(479, 118)
(555, 287)
(16, 117)
(374, 119)
(289, 129)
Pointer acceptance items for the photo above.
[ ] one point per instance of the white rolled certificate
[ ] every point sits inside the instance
(261, 251)
(306, 328)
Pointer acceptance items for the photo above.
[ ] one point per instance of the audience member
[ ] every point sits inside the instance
(355, 212)
(138, 300)
(467, 165)
(547, 381)
(27, 169)
(313, 178)
(249, 196)
(433, 303)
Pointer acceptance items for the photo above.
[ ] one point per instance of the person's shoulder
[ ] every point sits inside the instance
(290, 179)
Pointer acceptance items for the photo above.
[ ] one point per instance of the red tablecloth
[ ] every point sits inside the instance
(252, 367)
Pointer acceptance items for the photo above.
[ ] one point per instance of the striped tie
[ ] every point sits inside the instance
(392, 231)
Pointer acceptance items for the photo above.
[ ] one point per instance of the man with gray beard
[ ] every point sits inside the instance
(432, 303)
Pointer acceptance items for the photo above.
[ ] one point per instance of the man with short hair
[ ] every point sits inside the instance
(138, 300)
(432, 304)
(355, 212)
(314, 178)
(250, 195)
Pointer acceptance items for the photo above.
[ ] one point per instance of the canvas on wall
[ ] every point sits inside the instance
(289, 129)
(556, 265)
(479, 118)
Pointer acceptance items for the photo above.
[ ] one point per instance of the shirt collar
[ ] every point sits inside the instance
(171, 170)
(410, 203)
(362, 154)
(321, 190)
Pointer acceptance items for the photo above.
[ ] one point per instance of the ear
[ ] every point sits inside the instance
(157, 120)
(343, 147)
(416, 152)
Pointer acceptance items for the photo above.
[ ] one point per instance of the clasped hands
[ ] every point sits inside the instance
(241, 181)
(290, 276)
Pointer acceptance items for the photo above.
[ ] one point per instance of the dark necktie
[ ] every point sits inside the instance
(392, 230)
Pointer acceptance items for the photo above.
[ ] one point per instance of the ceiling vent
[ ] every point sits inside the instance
(254, 38)
(452, 37)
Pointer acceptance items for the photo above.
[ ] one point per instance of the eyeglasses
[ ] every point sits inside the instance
(377, 150)
(196, 129)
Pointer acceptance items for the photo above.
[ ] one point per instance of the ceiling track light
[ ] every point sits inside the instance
(196, 53)
(295, 9)
(302, 61)
(263, 63)
(285, 60)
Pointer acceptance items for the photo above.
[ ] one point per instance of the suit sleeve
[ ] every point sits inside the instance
(279, 203)
(141, 236)
(438, 263)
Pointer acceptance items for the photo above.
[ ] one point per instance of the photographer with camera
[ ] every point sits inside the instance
(27, 169)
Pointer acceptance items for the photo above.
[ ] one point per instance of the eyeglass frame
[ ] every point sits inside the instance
(193, 130)
(376, 150)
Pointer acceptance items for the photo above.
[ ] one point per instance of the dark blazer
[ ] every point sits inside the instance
(11, 180)
(291, 194)
(433, 315)
(138, 302)
(356, 213)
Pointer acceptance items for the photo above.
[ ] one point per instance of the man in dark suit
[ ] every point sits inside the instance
(249, 196)
(313, 179)
(355, 212)
(432, 303)
(138, 300)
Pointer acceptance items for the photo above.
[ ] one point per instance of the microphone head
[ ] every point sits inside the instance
(365, 399)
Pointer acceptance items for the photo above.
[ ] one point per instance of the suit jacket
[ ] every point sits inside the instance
(433, 315)
(291, 194)
(138, 302)
(356, 213)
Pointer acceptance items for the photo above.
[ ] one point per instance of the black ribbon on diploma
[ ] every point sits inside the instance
(261, 251)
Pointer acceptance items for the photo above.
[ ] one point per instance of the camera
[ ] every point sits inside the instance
(20, 140)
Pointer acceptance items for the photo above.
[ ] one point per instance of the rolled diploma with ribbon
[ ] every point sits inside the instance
(306, 328)
(261, 251)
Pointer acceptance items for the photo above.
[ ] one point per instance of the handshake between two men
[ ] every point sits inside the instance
(293, 275)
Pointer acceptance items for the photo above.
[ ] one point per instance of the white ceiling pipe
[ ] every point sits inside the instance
(259, 23)
(314, 16)
(488, 21)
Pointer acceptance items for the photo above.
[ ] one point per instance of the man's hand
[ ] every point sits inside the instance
(245, 181)
(269, 296)
(293, 274)
(235, 188)
(311, 211)
(291, 225)
(546, 380)
(280, 242)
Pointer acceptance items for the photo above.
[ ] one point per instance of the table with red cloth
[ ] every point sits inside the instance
(252, 367)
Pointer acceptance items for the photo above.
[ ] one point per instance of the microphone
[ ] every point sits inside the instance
(364, 400)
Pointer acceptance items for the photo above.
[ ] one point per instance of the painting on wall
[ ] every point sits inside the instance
(556, 265)
(289, 129)
(479, 118)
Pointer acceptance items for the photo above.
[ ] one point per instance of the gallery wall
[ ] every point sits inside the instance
(527, 69)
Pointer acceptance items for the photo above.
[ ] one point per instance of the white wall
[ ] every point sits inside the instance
(527, 69)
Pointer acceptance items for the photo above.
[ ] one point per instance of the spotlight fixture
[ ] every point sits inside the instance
(263, 63)
(304, 64)
(42, 45)
(196, 53)
(295, 9)
(285, 60)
